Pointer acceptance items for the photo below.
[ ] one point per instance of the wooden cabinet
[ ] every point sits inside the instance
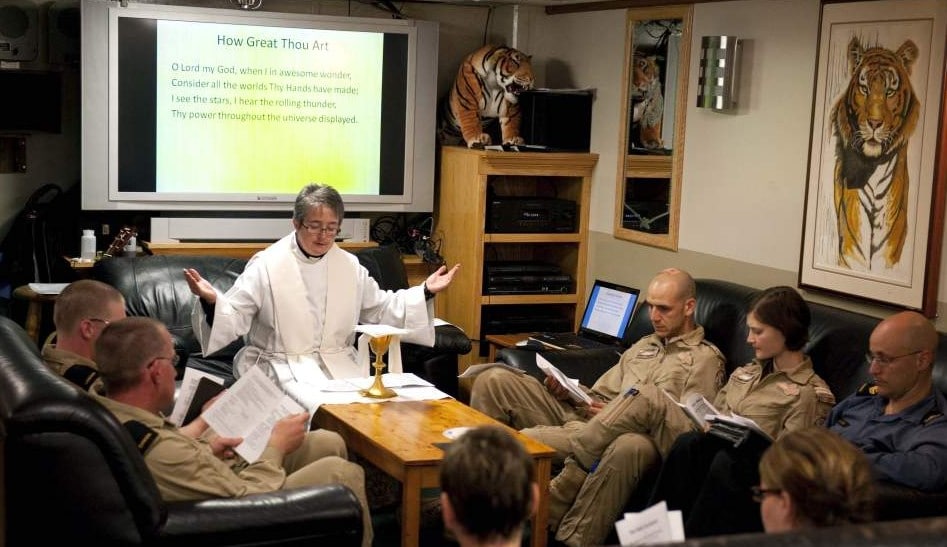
(469, 181)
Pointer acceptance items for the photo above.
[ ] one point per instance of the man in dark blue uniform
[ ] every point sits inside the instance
(898, 421)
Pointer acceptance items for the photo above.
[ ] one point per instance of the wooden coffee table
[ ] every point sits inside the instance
(398, 438)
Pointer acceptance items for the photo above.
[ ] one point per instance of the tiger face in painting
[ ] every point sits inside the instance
(647, 101)
(487, 86)
(872, 122)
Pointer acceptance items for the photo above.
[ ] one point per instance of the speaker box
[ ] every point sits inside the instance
(63, 30)
(19, 30)
(557, 119)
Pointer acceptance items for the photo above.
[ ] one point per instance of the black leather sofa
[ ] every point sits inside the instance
(70, 474)
(154, 286)
(838, 342)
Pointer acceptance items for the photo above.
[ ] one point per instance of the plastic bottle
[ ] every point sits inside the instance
(88, 245)
(131, 248)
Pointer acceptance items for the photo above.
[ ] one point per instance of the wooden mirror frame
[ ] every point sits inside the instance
(642, 166)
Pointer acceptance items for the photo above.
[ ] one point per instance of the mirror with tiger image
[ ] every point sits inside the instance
(648, 192)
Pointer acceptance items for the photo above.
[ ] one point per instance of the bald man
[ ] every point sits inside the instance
(675, 358)
(897, 420)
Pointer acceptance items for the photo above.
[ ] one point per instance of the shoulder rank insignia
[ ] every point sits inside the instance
(824, 395)
(931, 415)
(81, 375)
(143, 435)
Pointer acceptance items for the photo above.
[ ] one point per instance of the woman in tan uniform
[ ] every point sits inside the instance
(778, 390)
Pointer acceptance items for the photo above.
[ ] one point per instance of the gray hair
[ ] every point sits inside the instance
(318, 195)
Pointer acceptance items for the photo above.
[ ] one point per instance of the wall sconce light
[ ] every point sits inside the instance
(717, 79)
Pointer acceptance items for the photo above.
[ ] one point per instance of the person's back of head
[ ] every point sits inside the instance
(487, 488)
(124, 350)
(82, 310)
(813, 477)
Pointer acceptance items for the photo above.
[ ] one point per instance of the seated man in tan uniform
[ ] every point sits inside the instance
(675, 358)
(81, 311)
(136, 360)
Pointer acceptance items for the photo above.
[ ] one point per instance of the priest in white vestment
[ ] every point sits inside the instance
(298, 301)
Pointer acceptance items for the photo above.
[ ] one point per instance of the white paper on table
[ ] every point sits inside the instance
(403, 394)
(47, 288)
(192, 377)
(653, 525)
(249, 409)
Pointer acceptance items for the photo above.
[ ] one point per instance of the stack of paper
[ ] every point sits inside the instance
(653, 525)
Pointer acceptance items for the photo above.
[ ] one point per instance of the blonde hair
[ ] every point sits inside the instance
(827, 478)
(85, 298)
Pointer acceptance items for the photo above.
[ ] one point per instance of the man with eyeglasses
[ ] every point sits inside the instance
(298, 301)
(897, 420)
(136, 359)
(80, 313)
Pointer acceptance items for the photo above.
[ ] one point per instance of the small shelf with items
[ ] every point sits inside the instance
(513, 208)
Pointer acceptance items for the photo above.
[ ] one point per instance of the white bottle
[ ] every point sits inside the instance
(88, 245)
(131, 248)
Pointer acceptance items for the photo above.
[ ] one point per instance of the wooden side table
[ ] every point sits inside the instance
(498, 341)
(34, 310)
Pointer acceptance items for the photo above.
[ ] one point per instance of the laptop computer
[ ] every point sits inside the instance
(607, 314)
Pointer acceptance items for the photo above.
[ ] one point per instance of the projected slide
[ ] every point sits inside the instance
(239, 107)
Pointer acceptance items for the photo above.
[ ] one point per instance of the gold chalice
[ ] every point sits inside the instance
(378, 390)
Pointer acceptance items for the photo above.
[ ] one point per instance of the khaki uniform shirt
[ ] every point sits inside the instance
(187, 469)
(779, 401)
(61, 361)
(686, 364)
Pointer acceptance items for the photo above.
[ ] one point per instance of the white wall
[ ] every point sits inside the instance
(745, 172)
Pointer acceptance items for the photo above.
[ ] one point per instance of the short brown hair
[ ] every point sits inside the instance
(828, 479)
(124, 348)
(784, 309)
(487, 476)
(83, 299)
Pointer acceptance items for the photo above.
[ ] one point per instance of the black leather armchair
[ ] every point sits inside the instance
(73, 475)
(838, 341)
(154, 286)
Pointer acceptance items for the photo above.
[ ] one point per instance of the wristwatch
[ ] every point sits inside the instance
(427, 292)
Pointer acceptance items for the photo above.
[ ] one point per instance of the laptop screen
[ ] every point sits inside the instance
(609, 311)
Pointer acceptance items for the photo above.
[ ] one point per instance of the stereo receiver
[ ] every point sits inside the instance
(531, 214)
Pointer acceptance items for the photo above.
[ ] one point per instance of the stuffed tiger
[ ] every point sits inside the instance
(872, 122)
(647, 101)
(487, 87)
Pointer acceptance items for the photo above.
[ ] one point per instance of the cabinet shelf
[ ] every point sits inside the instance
(513, 299)
(533, 238)
(468, 179)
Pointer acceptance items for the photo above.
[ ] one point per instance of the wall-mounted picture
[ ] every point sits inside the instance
(872, 179)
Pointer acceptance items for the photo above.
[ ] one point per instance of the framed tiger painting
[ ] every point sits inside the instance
(875, 193)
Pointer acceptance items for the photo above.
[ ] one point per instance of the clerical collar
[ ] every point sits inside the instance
(303, 251)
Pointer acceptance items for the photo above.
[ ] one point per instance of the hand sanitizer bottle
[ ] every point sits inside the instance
(88, 245)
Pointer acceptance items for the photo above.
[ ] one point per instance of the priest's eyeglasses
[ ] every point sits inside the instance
(318, 229)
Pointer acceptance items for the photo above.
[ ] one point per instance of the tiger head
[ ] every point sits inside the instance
(878, 112)
(644, 76)
(514, 73)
